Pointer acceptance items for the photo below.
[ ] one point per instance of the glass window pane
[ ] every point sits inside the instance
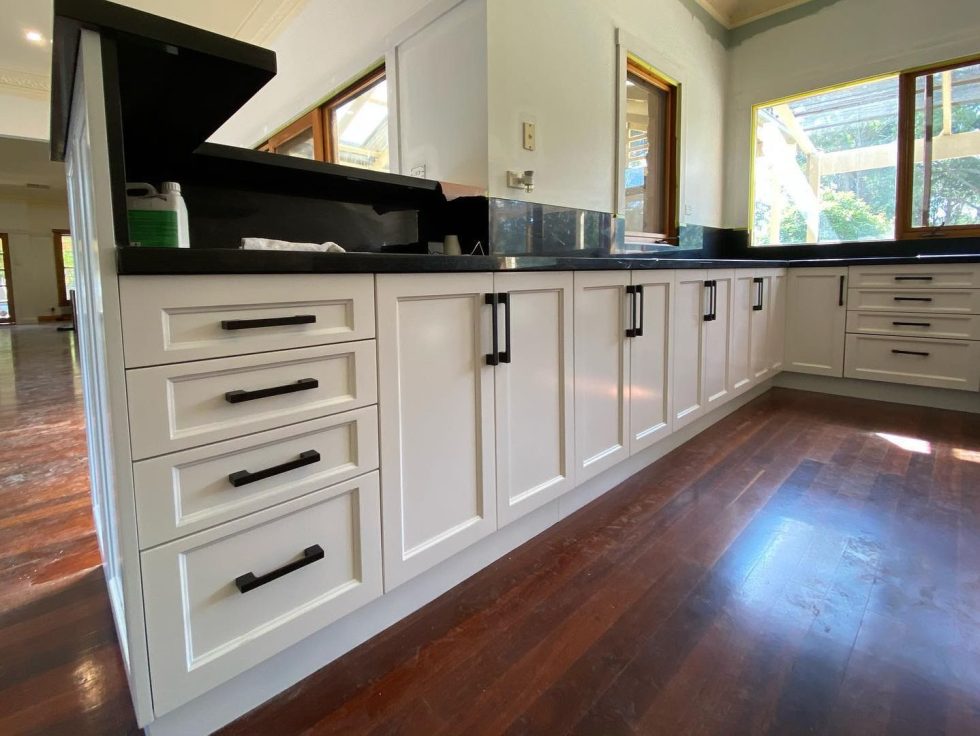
(946, 173)
(647, 108)
(300, 145)
(825, 166)
(68, 261)
(360, 129)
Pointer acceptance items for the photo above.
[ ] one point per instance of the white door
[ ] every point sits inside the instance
(436, 411)
(777, 321)
(816, 313)
(690, 309)
(759, 333)
(716, 337)
(601, 371)
(649, 406)
(534, 392)
(740, 352)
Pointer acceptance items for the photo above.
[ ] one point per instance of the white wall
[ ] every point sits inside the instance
(842, 42)
(553, 62)
(28, 221)
(24, 116)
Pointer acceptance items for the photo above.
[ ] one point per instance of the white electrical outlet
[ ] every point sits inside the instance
(530, 137)
(418, 170)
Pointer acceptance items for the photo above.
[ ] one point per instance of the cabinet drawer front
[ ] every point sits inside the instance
(949, 326)
(915, 300)
(936, 276)
(188, 491)
(169, 319)
(916, 361)
(174, 407)
(202, 630)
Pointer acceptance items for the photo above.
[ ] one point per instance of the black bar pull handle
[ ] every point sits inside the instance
(493, 355)
(504, 298)
(638, 289)
(631, 292)
(243, 477)
(303, 384)
(912, 298)
(249, 324)
(913, 278)
(912, 324)
(709, 287)
(251, 581)
(910, 352)
(840, 291)
(714, 300)
(759, 294)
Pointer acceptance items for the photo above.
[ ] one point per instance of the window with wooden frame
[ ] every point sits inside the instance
(64, 260)
(7, 314)
(650, 155)
(350, 128)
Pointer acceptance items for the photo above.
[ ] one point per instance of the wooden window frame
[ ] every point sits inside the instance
(328, 108)
(311, 120)
(670, 186)
(904, 230)
(5, 242)
(59, 265)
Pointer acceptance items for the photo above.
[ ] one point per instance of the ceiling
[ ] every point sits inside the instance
(25, 67)
(732, 13)
(29, 162)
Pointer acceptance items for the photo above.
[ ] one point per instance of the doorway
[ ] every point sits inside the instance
(7, 314)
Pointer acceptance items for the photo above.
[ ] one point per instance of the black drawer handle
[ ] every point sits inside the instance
(248, 324)
(757, 307)
(504, 298)
(912, 324)
(910, 352)
(238, 396)
(493, 357)
(913, 278)
(243, 477)
(251, 581)
(912, 298)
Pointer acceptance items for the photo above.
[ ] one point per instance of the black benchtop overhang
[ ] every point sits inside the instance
(175, 261)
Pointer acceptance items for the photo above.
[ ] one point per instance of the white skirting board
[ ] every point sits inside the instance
(236, 697)
(896, 393)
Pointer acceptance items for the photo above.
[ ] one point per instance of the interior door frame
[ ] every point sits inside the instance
(8, 278)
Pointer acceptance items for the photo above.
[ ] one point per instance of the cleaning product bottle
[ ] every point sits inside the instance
(157, 219)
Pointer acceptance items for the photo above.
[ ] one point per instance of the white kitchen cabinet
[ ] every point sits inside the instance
(777, 321)
(601, 371)
(740, 374)
(816, 313)
(649, 364)
(759, 328)
(436, 418)
(716, 337)
(534, 391)
(687, 361)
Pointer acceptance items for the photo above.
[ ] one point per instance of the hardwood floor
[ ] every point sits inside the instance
(60, 667)
(810, 564)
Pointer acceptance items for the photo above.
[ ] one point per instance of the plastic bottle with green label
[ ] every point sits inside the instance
(157, 219)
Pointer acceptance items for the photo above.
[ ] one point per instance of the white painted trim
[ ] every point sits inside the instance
(394, 110)
(220, 706)
(896, 393)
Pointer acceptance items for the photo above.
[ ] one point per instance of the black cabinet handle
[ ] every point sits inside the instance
(840, 292)
(631, 291)
(912, 298)
(251, 581)
(492, 356)
(758, 281)
(711, 288)
(910, 352)
(913, 278)
(248, 324)
(243, 477)
(504, 299)
(303, 384)
(638, 332)
(912, 324)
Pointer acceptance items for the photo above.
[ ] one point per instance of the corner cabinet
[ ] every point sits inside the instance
(816, 313)
(758, 327)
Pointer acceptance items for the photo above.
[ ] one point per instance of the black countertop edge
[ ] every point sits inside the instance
(166, 261)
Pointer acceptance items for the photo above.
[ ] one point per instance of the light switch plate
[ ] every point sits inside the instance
(530, 137)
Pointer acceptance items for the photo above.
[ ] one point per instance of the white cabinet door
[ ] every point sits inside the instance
(601, 371)
(716, 337)
(534, 392)
(650, 349)
(815, 321)
(759, 332)
(777, 321)
(740, 353)
(690, 308)
(436, 411)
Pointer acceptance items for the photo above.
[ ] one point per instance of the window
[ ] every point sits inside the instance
(7, 315)
(892, 157)
(351, 128)
(650, 154)
(64, 258)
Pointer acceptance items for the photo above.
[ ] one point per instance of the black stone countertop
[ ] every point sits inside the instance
(174, 261)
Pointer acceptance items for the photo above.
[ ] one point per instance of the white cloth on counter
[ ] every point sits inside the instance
(270, 244)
